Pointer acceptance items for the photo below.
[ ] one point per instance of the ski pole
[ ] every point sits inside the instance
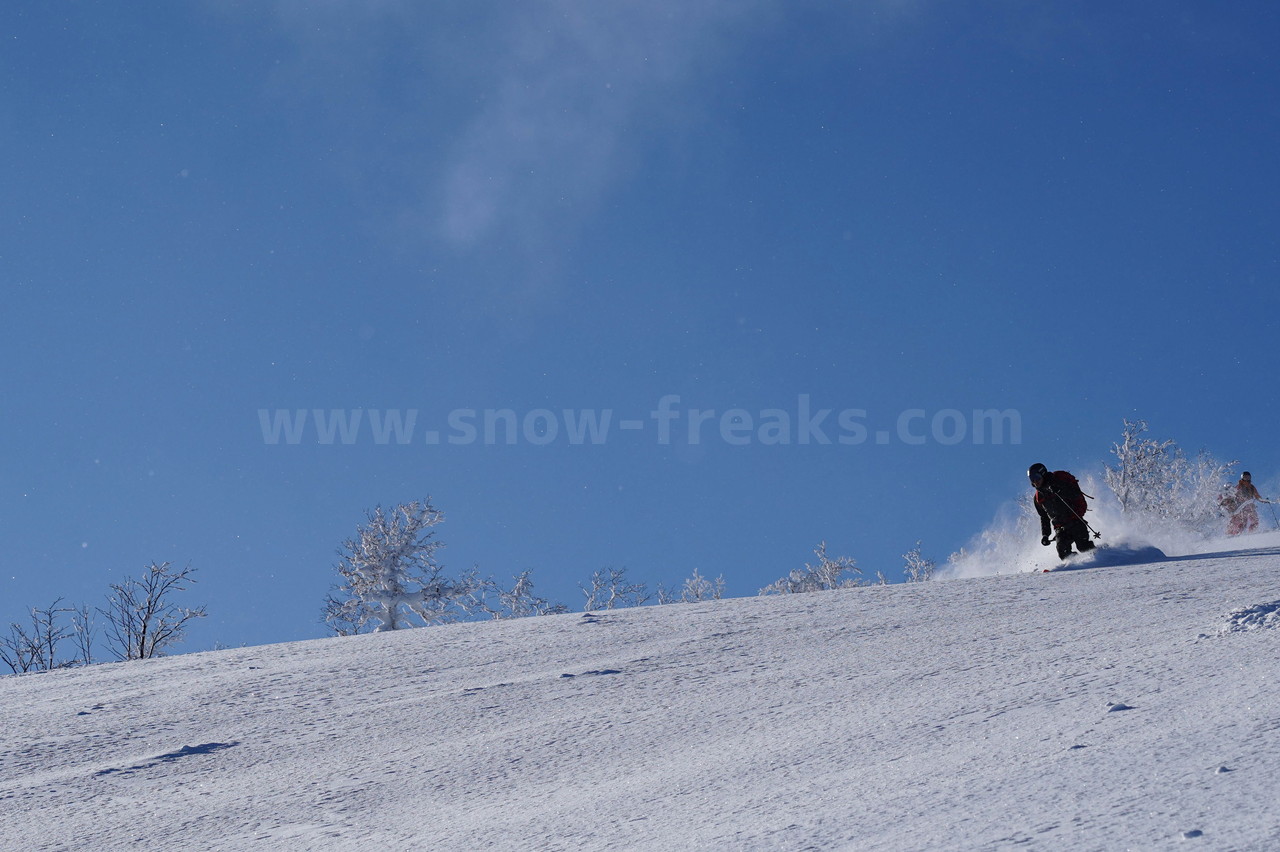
(1096, 534)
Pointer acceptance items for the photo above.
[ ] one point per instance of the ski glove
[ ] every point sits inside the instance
(1044, 540)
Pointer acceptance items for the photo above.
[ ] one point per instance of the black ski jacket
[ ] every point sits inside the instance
(1059, 501)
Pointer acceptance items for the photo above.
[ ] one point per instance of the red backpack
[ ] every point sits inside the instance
(1071, 492)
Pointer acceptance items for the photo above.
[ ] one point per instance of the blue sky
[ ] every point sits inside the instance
(900, 212)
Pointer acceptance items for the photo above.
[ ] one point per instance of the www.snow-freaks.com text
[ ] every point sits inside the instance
(804, 424)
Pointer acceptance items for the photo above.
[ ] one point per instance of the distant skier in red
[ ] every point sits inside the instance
(1240, 503)
(1060, 503)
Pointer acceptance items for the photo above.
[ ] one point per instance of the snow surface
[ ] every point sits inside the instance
(1109, 707)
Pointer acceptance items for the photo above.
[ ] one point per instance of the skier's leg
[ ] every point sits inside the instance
(1064, 544)
(1078, 534)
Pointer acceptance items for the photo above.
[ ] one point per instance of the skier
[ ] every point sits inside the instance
(1240, 503)
(1060, 503)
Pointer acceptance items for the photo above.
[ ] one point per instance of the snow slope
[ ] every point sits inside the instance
(1116, 707)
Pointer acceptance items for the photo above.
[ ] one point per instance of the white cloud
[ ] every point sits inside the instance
(500, 130)
(575, 84)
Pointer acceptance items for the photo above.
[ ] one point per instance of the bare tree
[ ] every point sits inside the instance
(19, 651)
(390, 577)
(37, 650)
(49, 633)
(142, 620)
(84, 632)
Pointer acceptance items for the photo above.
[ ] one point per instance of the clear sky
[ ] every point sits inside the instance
(545, 214)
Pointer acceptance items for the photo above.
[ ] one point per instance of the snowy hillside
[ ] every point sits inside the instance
(1131, 706)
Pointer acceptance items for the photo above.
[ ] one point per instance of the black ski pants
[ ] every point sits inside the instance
(1076, 533)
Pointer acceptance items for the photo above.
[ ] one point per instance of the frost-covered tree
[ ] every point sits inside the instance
(917, 568)
(827, 574)
(142, 619)
(520, 601)
(390, 579)
(1154, 481)
(609, 588)
(1199, 491)
(693, 589)
(480, 598)
(699, 588)
(486, 598)
(1143, 475)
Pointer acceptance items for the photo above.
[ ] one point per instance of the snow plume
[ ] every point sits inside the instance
(1011, 542)
(1151, 498)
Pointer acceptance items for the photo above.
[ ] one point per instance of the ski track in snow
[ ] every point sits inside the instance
(1131, 706)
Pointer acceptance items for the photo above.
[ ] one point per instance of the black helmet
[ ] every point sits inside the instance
(1036, 473)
